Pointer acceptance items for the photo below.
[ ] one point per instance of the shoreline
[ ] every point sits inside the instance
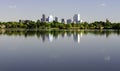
(54, 29)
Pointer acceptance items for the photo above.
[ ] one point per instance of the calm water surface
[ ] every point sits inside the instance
(59, 50)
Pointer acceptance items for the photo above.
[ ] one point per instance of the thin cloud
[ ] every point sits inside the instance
(103, 4)
(12, 6)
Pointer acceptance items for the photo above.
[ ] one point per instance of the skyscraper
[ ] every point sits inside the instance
(76, 18)
(43, 18)
(69, 21)
(63, 20)
(56, 19)
(50, 18)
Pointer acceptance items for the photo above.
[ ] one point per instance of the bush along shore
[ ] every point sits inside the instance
(28, 24)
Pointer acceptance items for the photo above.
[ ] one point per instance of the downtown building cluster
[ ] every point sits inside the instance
(76, 19)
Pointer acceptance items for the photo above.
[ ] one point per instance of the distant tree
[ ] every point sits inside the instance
(108, 24)
(38, 23)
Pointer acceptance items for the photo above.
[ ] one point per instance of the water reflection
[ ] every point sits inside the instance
(55, 34)
(77, 37)
(107, 58)
(31, 50)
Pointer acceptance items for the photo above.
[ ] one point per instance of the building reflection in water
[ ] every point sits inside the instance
(43, 35)
(77, 37)
(47, 37)
(55, 35)
(50, 37)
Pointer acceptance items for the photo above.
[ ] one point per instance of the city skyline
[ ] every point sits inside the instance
(95, 10)
(75, 19)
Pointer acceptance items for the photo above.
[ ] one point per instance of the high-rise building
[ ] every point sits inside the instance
(50, 18)
(56, 19)
(76, 18)
(46, 19)
(63, 20)
(43, 18)
(69, 21)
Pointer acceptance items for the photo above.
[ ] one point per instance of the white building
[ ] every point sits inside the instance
(50, 18)
(76, 18)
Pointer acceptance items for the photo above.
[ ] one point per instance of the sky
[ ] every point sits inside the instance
(90, 10)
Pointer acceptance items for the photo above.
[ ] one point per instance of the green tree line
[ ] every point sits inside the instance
(57, 25)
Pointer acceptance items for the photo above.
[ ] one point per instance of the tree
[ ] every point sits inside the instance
(85, 25)
(108, 24)
(38, 23)
(68, 26)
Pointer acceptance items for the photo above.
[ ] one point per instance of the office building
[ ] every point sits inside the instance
(43, 18)
(76, 18)
(50, 18)
(69, 21)
(56, 19)
(47, 20)
(63, 20)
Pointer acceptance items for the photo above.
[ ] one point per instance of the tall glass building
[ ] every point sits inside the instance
(56, 19)
(43, 18)
(76, 18)
(50, 18)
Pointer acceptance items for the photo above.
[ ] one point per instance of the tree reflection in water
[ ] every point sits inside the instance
(51, 35)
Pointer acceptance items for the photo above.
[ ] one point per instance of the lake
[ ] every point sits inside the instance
(29, 50)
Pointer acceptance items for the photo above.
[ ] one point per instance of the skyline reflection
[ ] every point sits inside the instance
(56, 34)
(27, 50)
(77, 37)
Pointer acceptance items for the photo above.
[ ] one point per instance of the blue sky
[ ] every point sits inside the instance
(90, 10)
